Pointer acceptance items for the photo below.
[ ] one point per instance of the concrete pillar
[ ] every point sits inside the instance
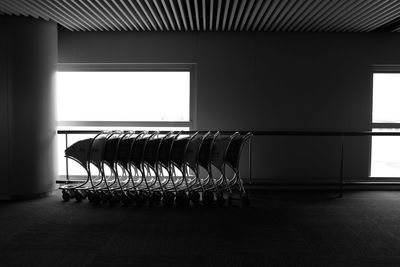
(28, 63)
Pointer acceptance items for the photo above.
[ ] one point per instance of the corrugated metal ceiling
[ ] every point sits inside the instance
(213, 15)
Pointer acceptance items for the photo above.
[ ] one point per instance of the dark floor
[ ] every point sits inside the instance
(360, 229)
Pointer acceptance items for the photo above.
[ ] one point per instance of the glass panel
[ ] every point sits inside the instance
(386, 98)
(385, 155)
(123, 96)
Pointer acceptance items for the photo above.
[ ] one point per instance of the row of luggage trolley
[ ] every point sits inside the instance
(173, 168)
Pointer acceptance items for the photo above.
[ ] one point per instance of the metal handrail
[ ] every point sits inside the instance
(341, 134)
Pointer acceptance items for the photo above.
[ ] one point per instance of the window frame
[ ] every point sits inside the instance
(137, 67)
(388, 68)
(382, 69)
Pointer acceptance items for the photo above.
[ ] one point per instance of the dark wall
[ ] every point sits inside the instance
(28, 60)
(267, 81)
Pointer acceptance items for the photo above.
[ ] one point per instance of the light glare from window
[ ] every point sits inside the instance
(386, 98)
(123, 96)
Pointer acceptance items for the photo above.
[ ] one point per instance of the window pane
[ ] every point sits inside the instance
(386, 98)
(123, 96)
(385, 155)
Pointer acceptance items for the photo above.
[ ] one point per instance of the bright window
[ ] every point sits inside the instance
(385, 150)
(121, 97)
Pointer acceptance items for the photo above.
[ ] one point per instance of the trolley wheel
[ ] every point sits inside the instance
(168, 199)
(155, 198)
(182, 199)
(194, 196)
(245, 200)
(79, 196)
(113, 198)
(220, 199)
(125, 199)
(66, 195)
(141, 199)
(133, 196)
(230, 200)
(208, 198)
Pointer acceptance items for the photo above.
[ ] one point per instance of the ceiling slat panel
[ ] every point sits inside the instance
(268, 14)
(304, 14)
(246, 14)
(293, 10)
(58, 11)
(340, 13)
(232, 15)
(138, 22)
(384, 18)
(6, 9)
(182, 15)
(147, 14)
(160, 13)
(217, 20)
(359, 14)
(319, 25)
(285, 11)
(212, 15)
(239, 14)
(176, 16)
(364, 16)
(197, 14)
(254, 12)
(226, 9)
(93, 15)
(204, 8)
(290, 23)
(79, 11)
(54, 15)
(62, 6)
(167, 11)
(335, 23)
(122, 15)
(37, 10)
(112, 17)
(317, 14)
(96, 9)
(15, 9)
(190, 15)
(274, 15)
(311, 12)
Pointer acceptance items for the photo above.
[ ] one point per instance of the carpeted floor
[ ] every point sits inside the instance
(360, 229)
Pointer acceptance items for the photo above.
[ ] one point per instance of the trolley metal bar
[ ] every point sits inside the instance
(66, 159)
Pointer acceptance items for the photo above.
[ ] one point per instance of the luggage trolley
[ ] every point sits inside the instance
(181, 182)
(204, 168)
(99, 190)
(173, 167)
(232, 161)
(192, 166)
(128, 191)
(79, 152)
